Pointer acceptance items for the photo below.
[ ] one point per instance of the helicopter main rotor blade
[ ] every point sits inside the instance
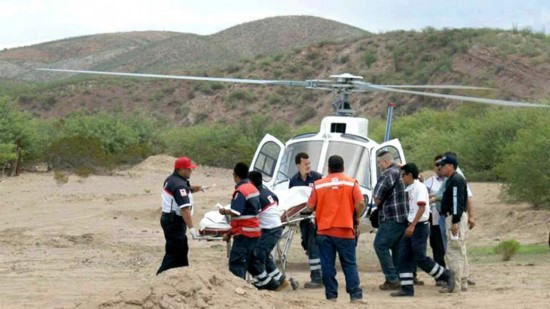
(371, 87)
(436, 87)
(210, 79)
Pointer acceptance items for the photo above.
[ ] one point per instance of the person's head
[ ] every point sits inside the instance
(240, 171)
(410, 173)
(335, 164)
(303, 164)
(255, 178)
(184, 166)
(448, 165)
(384, 159)
(437, 168)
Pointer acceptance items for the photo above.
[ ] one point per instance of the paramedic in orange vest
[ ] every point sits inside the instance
(245, 224)
(337, 202)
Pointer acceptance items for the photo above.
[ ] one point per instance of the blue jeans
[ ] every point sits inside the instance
(388, 239)
(443, 231)
(241, 255)
(345, 247)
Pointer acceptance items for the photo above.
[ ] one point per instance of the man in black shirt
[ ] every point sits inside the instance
(176, 214)
(307, 177)
(454, 208)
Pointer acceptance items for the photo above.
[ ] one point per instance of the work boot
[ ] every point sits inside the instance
(359, 301)
(471, 282)
(401, 293)
(440, 283)
(450, 282)
(388, 286)
(284, 285)
(313, 285)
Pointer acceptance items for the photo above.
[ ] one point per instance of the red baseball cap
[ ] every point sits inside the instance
(184, 162)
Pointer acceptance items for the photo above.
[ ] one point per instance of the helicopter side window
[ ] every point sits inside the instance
(267, 159)
(395, 154)
(356, 161)
(288, 166)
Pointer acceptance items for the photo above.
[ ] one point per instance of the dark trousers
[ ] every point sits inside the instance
(262, 252)
(309, 233)
(345, 247)
(436, 243)
(176, 242)
(412, 253)
(241, 255)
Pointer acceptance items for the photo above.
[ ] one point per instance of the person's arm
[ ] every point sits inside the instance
(380, 190)
(470, 210)
(312, 201)
(410, 229)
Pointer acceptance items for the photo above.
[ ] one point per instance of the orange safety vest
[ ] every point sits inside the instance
(335, 206)
(247, 223)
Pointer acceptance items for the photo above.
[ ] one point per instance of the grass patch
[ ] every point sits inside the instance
(529, 253)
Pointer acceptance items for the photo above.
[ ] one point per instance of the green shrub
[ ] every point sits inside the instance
(60, 177)
(508, 248)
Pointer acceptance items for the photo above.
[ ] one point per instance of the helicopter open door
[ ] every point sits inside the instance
(267, 159)
(394, 147)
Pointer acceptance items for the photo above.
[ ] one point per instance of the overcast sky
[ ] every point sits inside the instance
(27, 22)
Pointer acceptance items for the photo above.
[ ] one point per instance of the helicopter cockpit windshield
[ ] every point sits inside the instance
(356, 158)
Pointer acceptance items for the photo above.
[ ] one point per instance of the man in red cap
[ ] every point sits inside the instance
(176, 214)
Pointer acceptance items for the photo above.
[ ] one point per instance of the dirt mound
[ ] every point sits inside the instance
(195, 287)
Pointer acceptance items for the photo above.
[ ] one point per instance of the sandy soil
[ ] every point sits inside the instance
(97, 242)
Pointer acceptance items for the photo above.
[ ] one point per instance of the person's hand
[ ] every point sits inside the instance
(471, 223)
(409, 231)
(194, 233)
(226, 237)
(454, 229)
(356, 230)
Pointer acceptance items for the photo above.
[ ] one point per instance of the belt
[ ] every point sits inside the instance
(164, 213)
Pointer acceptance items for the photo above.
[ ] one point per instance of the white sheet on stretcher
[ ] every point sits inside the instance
(288, 198)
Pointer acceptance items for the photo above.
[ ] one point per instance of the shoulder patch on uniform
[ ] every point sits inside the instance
(270, 198)
(183, 192)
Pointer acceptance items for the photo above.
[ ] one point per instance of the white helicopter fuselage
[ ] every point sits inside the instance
(338, 135)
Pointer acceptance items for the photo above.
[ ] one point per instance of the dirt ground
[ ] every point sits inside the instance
(97, 242)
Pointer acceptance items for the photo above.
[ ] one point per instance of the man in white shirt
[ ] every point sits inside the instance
(412, 251)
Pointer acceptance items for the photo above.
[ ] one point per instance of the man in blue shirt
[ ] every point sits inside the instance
(307, 177)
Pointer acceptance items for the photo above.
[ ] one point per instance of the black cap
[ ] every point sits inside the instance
(448, 159)
(335, 163)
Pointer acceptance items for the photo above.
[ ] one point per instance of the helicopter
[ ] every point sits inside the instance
(342, 134)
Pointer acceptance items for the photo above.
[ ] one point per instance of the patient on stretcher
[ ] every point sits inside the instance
(291, 202)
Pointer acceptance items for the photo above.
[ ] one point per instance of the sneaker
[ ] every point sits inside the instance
(471, 282)
(464, 288)
(387, 286)
(400, 293)
(359, 301)
(445, 290)
(313, 285)
(440, 283)
(417, 282)
(284, 285)
(451, 281)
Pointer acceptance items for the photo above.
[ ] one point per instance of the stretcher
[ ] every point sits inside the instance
(292, 209)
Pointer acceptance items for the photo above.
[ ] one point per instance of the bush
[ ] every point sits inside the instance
(526, 163)
(60, 177)
(508, 248)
